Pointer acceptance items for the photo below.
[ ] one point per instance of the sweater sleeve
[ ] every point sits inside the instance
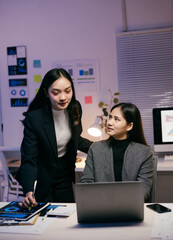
(88, 173)
(29, 152)
(146, 176)
(138, 166)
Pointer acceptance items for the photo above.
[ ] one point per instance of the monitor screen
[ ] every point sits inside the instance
(163, 129)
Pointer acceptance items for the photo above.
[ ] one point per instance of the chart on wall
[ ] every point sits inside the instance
(84, 72)
(17, 66)
(16, 57)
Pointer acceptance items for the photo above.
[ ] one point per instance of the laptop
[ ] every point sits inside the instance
(109, 202)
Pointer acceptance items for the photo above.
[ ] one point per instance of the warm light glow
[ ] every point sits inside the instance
(94, 132)
(94, 129)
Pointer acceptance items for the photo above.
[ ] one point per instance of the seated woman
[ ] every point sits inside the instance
(124, 156)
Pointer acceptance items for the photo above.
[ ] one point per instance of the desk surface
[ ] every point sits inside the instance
(68, 228)
(162, 164)
(165, 165)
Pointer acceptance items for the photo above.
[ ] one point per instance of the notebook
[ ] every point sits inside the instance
(109, 202)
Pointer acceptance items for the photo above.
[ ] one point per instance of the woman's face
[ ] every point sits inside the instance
(60, 93)
(117, 126)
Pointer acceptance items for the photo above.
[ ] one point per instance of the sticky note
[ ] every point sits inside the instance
(88, 99)
(37, 78)
(36, 63)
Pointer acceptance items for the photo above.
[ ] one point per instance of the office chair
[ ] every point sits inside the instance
(10, 190)
(153, 190)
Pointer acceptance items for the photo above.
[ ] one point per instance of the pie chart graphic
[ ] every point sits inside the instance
(12, 209)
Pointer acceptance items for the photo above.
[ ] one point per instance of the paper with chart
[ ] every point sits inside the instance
(84, 72)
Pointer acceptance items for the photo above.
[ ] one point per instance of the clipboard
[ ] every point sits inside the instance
(12, 211)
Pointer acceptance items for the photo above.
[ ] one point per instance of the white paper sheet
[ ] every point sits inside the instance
(37, 228)
(163, 226)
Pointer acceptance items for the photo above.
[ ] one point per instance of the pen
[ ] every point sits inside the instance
(33, 194)
(35, 219)
(31, 203)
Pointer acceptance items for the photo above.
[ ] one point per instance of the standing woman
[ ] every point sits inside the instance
(125, 156)
(52, 129)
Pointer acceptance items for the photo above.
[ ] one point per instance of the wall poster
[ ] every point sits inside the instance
(16, 57)
(17, 65)
(84, 72)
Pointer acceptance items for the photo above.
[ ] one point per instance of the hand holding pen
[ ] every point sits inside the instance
(29, 201)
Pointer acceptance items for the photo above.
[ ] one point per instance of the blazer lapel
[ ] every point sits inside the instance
(48, 125)
(105, 158)
(110, 166)
(74, 129)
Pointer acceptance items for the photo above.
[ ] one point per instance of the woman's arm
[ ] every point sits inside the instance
(88, 173)
(29, 152)
(138, 166)
(146, 176)
(83, 144)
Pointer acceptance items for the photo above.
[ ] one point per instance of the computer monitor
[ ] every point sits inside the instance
(163, 129)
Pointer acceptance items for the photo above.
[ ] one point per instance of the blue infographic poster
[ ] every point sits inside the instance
(17, 64)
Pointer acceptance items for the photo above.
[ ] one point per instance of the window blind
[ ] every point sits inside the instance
(145, 72)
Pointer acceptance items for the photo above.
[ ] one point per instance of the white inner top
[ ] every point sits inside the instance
(62, 130)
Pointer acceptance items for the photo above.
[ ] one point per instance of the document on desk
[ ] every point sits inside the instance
(62, 211)
(40, 225)
(163, 226)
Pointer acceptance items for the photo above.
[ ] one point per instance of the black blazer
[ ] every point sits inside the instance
(39, 154)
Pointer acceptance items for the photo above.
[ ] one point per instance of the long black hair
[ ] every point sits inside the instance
(132, 114)
(41, 98)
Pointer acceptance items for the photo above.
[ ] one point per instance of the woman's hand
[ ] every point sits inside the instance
(29, 201)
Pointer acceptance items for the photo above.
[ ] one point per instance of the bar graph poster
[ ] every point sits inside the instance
(85, 73)
(17, 63)
(18, 90)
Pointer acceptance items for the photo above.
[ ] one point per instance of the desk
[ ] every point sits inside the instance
(10, 152)
(80, 165)
(68, 228)
(12, 156)
(164, 190)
